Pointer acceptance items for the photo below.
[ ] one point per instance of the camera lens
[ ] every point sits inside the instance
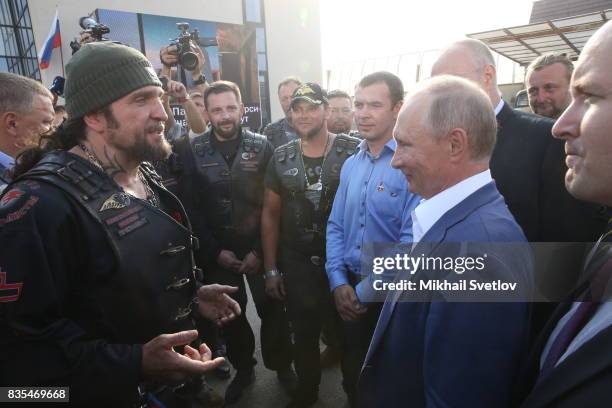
(189, 60)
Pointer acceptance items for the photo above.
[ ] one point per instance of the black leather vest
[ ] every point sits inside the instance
(153, 289)
(302, 225)
(280, 133)
(236, 191)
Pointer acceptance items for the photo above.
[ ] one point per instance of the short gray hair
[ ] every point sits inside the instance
(289, 80)
(458, 103)
(550, 59)
(17, 93)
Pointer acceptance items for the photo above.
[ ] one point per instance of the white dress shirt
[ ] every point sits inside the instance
(499, 107)
(428, 212)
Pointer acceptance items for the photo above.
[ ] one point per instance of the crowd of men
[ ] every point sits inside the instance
(127, 240)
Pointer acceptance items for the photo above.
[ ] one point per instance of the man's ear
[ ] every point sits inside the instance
(9, 122)
(458, 144)
(96, 121)
(490, 75)
(396, 109)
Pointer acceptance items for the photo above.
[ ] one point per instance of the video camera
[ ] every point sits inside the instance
(187, 57)
(95, 30)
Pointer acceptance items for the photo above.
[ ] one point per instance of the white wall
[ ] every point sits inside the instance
(292, 27)
(294, 44)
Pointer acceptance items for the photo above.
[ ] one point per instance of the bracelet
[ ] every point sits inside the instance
(201, 80)
(272, 273)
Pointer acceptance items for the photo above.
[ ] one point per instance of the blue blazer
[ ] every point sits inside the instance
(441, 354)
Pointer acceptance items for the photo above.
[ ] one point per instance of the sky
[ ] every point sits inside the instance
(353, 30)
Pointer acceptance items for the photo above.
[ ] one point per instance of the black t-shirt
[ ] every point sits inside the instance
(312, 165)
(227, 148)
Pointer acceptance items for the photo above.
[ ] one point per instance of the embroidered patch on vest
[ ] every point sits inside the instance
(9, 292)
(115, 202)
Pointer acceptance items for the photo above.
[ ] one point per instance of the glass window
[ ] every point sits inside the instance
(17, 39)
(252, 11)
(261, 62)
(260, 39)
(5, 17)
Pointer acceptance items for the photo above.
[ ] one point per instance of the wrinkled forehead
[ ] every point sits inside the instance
(593, 69)
(43, 104)
(339, 101)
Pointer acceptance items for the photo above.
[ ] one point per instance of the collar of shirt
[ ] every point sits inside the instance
(428, 212)
(6, 161)
(364, 147)
(499, 107)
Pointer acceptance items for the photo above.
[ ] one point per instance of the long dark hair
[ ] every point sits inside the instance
(65, 137)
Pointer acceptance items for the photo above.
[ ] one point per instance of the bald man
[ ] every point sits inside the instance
(527, 163)
(571, 364)
(528, 166)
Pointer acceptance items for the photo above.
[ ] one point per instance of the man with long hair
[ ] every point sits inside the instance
(96, 256)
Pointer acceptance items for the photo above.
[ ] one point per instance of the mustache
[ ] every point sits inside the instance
(158, 127)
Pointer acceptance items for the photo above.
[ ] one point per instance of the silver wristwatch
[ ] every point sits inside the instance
(271, 273)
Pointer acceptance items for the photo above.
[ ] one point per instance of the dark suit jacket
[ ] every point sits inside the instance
(582, 379)
(528, 166)
(440, 354)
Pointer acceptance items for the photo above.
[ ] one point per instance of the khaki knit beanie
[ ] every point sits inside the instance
(102, 72)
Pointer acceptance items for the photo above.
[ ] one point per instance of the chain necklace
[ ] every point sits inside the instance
(318, 185)
(151, 196)
(91, 157)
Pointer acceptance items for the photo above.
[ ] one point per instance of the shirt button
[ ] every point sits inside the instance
(361, 225)
(358, 246)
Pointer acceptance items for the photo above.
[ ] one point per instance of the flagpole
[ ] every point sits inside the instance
(62, 44)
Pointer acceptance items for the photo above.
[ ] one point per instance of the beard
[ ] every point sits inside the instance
(142, 150)
(547, 109)
(340, 126)
(226, 134)
(314, 131)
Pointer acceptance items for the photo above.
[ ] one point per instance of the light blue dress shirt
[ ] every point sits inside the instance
(372, 205)
(6, 161)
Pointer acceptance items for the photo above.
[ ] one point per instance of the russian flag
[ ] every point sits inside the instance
(54, 40)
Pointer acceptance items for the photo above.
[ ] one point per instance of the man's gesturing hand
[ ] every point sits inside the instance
(215, 304)
(160, 363)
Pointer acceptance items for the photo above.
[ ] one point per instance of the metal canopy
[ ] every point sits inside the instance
(565, 35)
